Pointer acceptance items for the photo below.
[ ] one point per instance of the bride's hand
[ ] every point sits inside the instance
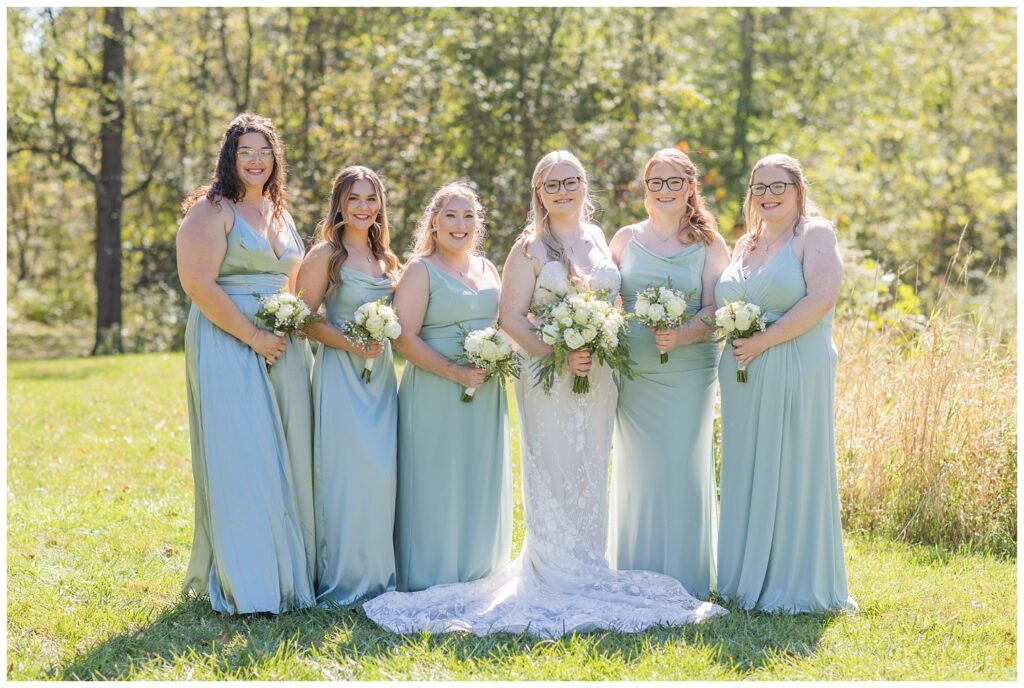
(579, 363)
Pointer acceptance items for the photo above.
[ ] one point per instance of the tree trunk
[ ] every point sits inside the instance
(743, 100)
(108, 187)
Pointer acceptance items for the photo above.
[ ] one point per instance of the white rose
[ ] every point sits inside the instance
(488, 350)
(725, 320)
(565, 322)
(504, 347)
(287, 298)
(285, 311)
(272, 306)
(392, 330)
(675, 306)
(573, 339)
(549, 334)
(472, 344)
(589, 333)
(656, 312)
(560, 311)
(374, 323)
(743, 319)
(386, 312)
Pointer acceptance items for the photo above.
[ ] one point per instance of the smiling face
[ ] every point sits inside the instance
(562, 202)
(254, 159)
(666, 200)
(360, 209)
(771, 207)
(455, 225)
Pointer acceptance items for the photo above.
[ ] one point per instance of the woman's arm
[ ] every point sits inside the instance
(823, 274)
(517, 284)
(312, 281)
(716, 261)
(201, 244)
(411, 299)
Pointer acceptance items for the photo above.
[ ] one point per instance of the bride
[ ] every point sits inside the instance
(561, 582)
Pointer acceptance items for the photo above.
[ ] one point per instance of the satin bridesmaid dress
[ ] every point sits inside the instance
(780, 542)
(663, 514)
(354, 446)
(249, 432)
(454, 520)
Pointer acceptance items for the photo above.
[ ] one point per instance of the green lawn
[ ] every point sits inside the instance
(99, 524)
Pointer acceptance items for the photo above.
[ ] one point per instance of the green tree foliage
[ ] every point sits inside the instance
(904, 120)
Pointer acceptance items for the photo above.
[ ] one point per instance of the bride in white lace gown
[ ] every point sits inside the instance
(560, 582)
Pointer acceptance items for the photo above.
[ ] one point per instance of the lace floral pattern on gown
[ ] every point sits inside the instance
(560, 582)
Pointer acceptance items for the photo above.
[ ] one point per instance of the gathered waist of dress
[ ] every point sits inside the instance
(260, 283)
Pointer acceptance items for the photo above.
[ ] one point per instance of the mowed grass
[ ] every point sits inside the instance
(99, 516)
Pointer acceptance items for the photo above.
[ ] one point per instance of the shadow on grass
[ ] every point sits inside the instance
(190, 634)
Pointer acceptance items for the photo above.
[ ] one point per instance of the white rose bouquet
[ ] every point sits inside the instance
(737, 320)
(373, 322)
(662, 308)
(285, 313)
(490, 350)
(581, 322)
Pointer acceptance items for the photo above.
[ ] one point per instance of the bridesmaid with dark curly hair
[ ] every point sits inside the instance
(250, 429)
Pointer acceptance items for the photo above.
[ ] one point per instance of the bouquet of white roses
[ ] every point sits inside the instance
(285, 313)
(373, 322)
(581, 322)
(738, 320)
(662, 308)
(490, 350)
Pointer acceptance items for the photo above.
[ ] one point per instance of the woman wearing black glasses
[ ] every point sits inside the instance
(780, 545)
(663, 515)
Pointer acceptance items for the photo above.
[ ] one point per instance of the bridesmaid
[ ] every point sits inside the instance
(253, 546)
(354, 441)
(663, 501)
(454, 521)
(780, 544)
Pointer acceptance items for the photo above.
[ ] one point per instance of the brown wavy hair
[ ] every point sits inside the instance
(332, 226)
(697, 218)
(226, 183)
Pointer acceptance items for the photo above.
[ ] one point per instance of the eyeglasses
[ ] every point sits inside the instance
(673, 183)
(777, 188)
(249, 155)
(552, 186)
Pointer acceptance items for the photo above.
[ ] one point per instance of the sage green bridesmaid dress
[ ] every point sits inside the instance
(249, 430)
(354, 446)
(454, 520)
(662, 507)
(780, 541)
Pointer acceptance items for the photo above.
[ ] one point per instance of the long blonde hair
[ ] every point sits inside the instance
(425, 240)
(697, 218)
(805, 206)
(537, 220)
(331, 227)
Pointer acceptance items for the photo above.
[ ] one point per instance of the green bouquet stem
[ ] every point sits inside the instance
(741, 375)
(580, 385)
(664, 357)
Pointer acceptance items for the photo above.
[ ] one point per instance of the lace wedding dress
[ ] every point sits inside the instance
(561, 582)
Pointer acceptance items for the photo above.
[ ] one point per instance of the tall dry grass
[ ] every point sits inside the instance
(926, 433)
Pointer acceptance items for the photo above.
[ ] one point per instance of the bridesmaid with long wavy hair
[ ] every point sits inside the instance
(355, 423)
(454, 520)
(249, 429)
(780, 542)
(663, 500)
